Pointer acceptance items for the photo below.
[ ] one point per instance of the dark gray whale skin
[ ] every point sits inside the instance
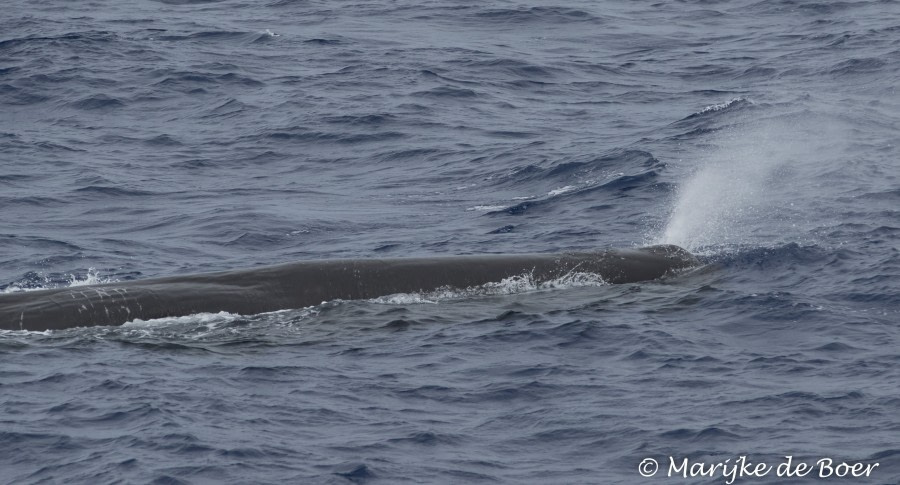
(306, 283)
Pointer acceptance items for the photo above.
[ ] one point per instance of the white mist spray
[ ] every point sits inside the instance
(753, 186)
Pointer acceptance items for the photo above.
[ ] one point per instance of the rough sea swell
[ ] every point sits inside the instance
(152, 138)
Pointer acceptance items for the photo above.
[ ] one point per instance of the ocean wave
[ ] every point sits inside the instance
(67, 39)
(217, 36)
(857, 66)
(734, 104)
(537, 14)
(447, 92)
(621, 184)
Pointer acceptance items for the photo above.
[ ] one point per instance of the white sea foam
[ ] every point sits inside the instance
(721, 106)
(25, 332)
(15, 288)
(561, 190)
(516, 284)
(486, 208)
(92, 277)
(211, 320)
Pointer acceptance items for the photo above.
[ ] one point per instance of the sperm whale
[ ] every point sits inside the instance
(305, 283)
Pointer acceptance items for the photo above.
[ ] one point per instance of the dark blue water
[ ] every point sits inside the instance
(152, 138)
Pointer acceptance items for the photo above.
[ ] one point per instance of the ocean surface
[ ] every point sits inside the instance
(150, 138)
